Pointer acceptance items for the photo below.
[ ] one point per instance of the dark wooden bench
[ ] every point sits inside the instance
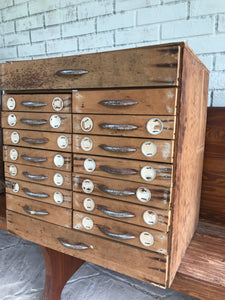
(202, 271)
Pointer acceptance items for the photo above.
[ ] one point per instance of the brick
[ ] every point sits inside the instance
(94, 9)
(7, 27)
(185, 28)
(61, 16)
(17, 38)
(15, 12)
(221, 24)
(78, 28)
(5, 3)
(217, 80)
(67, 3)
(207, 60)
(137, 35)
(220, 62)
(8, 53)
(20, 1)
(161, 13)
(29, 50)
(96, 41)
(207, 44)
(120, 20)
(29, 23)
(219, 98)
(1, 41)
(49, 33)
(203, 7)
(62, 45)
(124, 5)
(36, 7)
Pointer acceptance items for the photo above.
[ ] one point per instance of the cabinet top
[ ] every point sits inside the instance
(151, 66)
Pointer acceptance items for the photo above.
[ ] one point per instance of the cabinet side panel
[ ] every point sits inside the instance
(189, 158)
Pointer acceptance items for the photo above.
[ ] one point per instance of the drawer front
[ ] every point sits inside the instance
(37, 121)
(143, 265)
(38, 158)
(49, 213)
(138, 171)
(55, 103)
(38, 175)
(159, 127)
(122, 211)
(134, 148)
(126, 101)
(146, 194)
(43, 193)
(105, 70)
(37, 139)
(125, 233)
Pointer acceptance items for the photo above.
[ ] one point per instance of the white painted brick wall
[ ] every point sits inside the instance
(31, 29)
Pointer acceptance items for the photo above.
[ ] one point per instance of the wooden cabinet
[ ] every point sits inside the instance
(103, 155)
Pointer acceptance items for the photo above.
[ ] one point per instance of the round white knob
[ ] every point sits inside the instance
(150, 217)
(149, 149)
(15, 137)
(13, 153)
(89, 165)
(57, 104)
(12, 170)
(58, 179)
(87, 223)
(148, 173)
(55, 121)
(11, 103)
(12, 120)
(15, 187)
(154, 126)
(58, 160)
(63, 141)
(58, 197)
(143, 194)
(89, 204)
(86, 144)
(146, 239)
(87, 186)
(86, 124)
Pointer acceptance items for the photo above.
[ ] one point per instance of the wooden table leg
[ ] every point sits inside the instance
(59, 268)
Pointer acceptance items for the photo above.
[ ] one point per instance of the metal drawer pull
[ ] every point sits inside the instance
(74, 247)
(107, 190)
(36, 195)
(118, 102)
(34, 141)
(124, 214)
(125, 236)
(33, 104)
(34, 177)
(118, 126)
(34, 212)
(33, 121)
(71, 72)
(33, 159)
(118, 171)
(117, 149)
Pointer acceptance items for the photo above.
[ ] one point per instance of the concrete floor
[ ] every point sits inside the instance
(22, 274)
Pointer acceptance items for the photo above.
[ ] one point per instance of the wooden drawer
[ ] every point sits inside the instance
(39, 175)
(37, 139)
(126, 101)
(43, 193)
(141, 264)
(146, 194)
(37, 121)
(39, 210)
(105, 70)
(58, 103)
(153, 240)
(138, 171)
(123, 211)
(38, 158)
(134, 148)
(160, 127)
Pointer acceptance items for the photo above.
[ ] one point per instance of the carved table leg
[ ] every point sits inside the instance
(59, 268)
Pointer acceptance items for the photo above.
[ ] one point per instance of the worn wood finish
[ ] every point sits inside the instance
(159, 196)
(149, 266)
(133, 127)
(119, 207)
(59, 268)
(213, 185)
(2, 211)
(189, 152)
(51, 144)
(65, 127)
(37, 153)
(164, 148)
(37, 188)
(105, 70)
(45, 99)
(21, 169)
(113, 167)
(148, 101)
(56, 215)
